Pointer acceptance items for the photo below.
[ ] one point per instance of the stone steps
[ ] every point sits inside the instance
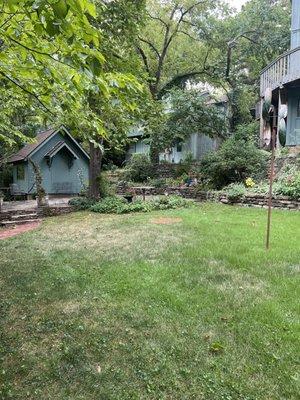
(18, 222)
(20, 217)
(13, 218)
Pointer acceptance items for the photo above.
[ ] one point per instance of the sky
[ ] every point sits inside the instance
(237, 3)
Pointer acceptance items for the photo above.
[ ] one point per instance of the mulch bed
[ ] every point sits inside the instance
(17, 230)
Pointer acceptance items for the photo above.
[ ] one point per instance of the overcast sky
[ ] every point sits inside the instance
(237, 3)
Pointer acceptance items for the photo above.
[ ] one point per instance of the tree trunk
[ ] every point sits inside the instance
(154, 155)
(95, 171)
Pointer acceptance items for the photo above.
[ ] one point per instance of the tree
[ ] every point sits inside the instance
(186, 112)
(71, 67)
(173, 51)
(244, 44)
(171, 45)
(119, 23)
(47, 49)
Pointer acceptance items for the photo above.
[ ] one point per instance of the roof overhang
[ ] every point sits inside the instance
(56, 149)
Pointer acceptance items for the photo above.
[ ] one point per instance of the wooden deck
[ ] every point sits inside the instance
(283, 70)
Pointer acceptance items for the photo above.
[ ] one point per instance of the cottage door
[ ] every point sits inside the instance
(60, 174)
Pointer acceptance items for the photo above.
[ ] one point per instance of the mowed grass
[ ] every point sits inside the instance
(118, 307)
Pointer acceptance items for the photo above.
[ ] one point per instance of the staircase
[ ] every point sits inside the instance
(21, 217)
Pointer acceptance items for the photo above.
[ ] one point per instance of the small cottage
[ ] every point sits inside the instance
(64, 164)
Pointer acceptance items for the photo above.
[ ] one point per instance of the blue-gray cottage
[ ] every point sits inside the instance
(64, 164)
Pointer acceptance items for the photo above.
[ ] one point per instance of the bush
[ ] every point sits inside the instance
(105, 187)
(109, 205)
(235, 161)
(158, 183)
(139, 168)
(81, 203)
(235, 191)
(288, 183)
(116, 205)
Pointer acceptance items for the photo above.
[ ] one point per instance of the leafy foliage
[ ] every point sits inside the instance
(235, 161)
(117, 205)
(192, 112)
(81, 203)
(235, 191)
(139, 168)
(48, 53)
(288, 183)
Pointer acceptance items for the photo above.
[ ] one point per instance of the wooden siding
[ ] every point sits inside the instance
(59, 177)
(295, 31)
(284, 70)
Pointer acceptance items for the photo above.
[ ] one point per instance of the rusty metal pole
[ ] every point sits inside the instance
(273, 139)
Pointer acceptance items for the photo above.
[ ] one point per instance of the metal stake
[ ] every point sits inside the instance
(271, 188)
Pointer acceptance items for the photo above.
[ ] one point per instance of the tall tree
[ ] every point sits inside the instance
(46, 48)
(119, 22)
(171, 46)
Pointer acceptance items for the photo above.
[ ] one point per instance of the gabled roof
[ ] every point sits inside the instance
(60, 145)
(29, 148)
(41, 138)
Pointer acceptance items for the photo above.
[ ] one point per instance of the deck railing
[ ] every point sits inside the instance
(284, 69)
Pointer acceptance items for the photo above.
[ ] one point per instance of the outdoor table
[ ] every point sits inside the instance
(143, 189)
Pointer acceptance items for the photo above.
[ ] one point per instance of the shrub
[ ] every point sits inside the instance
(235, 191)
(81, 203)
(288, 183)
(139, 168)
(105, 187)
(116, 205)
(109, 205)
(158, 183)
(235, 161)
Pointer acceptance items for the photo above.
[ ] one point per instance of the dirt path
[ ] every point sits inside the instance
(10, 232)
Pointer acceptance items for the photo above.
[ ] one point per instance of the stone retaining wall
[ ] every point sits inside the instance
(251, 200)
(54, 211)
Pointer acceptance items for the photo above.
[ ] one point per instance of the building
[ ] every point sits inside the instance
(63, 163)
(195, 146)
(280, 82)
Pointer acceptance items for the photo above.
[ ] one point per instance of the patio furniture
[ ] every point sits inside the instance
(143, 189)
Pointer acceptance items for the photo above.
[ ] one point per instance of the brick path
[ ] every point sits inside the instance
(10, 232)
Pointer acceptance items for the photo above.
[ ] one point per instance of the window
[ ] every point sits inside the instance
(20, 172)
(298, 108)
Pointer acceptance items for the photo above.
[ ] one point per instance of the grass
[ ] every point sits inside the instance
(118, 307)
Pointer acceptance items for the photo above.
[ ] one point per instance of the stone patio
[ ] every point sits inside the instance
(25, 205)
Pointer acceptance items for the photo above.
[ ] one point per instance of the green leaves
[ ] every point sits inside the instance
(60, 8)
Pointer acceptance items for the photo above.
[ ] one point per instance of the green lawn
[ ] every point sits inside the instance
(117, 307)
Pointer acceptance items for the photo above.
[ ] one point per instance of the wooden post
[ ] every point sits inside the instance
(273, 140)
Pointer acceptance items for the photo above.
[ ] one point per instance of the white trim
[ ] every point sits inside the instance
(63, 144)
(75, 141)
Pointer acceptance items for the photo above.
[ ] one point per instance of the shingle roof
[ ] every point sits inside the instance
(29, 148)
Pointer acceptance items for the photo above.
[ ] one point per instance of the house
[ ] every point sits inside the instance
(195, 146)
(63, 163)
(280, 85)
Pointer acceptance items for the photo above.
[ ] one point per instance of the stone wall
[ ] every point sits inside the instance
(251, 200)
(54, 211)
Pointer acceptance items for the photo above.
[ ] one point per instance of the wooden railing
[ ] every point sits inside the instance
(281, 71)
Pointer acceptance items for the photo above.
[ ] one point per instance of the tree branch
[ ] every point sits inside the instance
(151, 45)
(27, 91)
